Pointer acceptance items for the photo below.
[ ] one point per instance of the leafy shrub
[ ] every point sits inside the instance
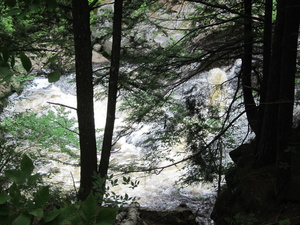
(106, 196)
(8, 158)
(26, 203)
(53, 131)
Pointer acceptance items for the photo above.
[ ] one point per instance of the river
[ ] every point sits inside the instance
(160, 191)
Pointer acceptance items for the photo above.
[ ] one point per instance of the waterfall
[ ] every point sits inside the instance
(217, 78)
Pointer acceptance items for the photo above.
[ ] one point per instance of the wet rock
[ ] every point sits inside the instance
(131, 217)
(179, 216)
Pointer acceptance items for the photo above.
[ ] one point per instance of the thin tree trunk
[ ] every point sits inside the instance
(112, 90)
(85, 104)
(287, 87)
(267, 50)
(250, 107)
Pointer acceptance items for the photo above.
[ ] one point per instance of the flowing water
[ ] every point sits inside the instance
(159, 190)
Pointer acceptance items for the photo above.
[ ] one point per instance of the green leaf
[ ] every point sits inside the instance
(37, 2)
(54, 76)
(51, 59)
(13, 12)
(51, 3)
(37, 213)
(52, 215)
(22, 219)
(27, 166)
(4, 198)
(16, 175)
(26, 62)
(35, 5)
(107, 216)
(41, 197)
(67, 214)
(5, 71)
(11, 3)
(15, 194)
(4, 210)
(33, 179)
(126, 196)
(12, 61)
(5, 53)
(89, 209)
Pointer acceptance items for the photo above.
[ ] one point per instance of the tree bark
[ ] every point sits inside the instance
(266, 149)
(85, 104)
(267, 52)
(287, 87)
(250, 106)
(112, 89)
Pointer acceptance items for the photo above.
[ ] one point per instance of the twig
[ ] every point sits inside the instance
(74, 184)
(73, 131)
(158, 170)
(54, 103)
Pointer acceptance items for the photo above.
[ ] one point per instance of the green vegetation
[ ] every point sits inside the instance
(166, 48)
(243, 219)
(26, 202)
(53, 131)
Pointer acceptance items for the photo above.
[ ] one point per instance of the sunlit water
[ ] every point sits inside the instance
(155, 191)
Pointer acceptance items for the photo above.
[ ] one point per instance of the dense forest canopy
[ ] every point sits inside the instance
(153, 52)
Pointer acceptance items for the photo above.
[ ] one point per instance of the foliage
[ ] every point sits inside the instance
(53, 131)
(23, 44)
(284, 222)
(241, 219)
(22, 204)
(111, 198)
(8, 158)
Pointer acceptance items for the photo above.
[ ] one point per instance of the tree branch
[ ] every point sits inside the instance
(218, 6)
(54, 103)
(161, 168)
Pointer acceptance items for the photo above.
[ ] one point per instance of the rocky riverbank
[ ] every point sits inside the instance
(184, 214)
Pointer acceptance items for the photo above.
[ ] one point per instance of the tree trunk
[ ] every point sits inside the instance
(112, 89)
(266, 149)
(267, 52)
(287, 87)
(85, 104)
(250, 107)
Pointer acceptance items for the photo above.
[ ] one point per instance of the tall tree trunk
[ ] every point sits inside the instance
(112, 89)
(251, 109)
(287, 87)
(266, 149)
(85, 104)
(267, 52)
